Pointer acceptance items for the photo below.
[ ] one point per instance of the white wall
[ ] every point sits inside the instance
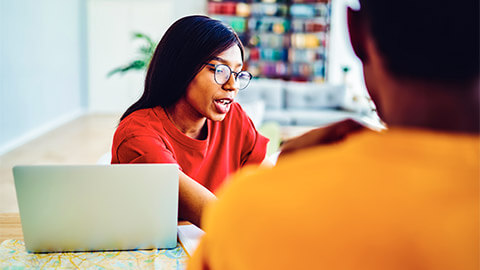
(111, 23)
(42, 61)
(110, 27)
(43, 57)
(341, 52)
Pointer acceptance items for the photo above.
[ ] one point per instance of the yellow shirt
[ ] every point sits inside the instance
(403, 199)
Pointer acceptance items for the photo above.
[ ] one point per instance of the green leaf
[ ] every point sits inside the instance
(135, 65)
(145, 55)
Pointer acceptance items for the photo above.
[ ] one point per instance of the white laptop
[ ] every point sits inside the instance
(98, 207)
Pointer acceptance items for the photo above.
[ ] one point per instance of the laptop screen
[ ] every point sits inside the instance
(98, 207)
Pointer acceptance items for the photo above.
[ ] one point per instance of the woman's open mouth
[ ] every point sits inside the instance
(223, 105)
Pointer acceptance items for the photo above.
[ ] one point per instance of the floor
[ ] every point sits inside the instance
(81, 141)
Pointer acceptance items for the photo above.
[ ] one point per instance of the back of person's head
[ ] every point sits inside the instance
(182, 52)
(426, 39)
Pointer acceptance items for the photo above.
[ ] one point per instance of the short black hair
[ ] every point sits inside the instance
(427, 39)
(182, 52)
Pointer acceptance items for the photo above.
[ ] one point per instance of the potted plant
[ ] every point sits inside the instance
(145, 55)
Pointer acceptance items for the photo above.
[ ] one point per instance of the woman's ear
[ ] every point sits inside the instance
(357, 28)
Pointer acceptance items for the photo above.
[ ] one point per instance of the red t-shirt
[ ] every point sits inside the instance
(148, 136)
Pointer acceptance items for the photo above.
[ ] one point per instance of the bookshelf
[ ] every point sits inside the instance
(284, 39)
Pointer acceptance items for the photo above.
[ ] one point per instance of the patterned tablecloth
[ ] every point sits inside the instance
(14, 256)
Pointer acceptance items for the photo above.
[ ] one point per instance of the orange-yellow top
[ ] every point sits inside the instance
(402, 199)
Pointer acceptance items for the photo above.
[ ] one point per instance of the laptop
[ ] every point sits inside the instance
(98, 207)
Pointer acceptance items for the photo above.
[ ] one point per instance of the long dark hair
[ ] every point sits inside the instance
(183, 51)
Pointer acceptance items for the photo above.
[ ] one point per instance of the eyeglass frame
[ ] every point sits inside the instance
(231, 71)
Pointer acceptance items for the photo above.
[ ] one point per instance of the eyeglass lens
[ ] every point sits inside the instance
(223, 73)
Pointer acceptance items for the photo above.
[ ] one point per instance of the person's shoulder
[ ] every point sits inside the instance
(236, 116)
(141, 122)
(142, 115)
(236, 111)
(321, 192)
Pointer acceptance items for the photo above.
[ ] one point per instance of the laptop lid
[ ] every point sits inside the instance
(98, 207)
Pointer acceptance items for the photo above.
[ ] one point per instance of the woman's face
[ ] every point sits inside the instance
(205, 96)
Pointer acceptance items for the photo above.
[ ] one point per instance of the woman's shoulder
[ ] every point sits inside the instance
(146, 122)
(237, 112)
(237, 120)
(236, 107)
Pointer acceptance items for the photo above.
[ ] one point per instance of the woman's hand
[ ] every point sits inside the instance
(193, 197)
(325, 135)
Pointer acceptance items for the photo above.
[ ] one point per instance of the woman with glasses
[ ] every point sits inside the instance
(187, 114)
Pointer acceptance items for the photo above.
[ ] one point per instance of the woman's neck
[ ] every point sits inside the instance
(188, 121)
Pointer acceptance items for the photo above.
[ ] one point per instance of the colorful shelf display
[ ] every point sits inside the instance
(285, 39)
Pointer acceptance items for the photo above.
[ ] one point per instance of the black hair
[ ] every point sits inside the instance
(427, 39)
(182, 52)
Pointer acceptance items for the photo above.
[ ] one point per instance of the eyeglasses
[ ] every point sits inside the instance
(223, 73)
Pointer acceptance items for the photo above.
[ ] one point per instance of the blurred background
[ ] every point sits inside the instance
(69, 69)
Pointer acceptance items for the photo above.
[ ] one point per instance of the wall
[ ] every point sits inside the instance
(42, 67)
(112, 22)
(110, 27)
(341, 52)
(44, 58)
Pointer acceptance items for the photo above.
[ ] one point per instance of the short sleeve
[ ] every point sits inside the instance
(258, 151)
(255, 144)
(143, 149)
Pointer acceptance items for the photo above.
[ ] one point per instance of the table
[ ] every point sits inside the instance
(13, 254)
(10, 227)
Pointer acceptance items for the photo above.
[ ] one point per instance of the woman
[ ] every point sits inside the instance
(187, 114)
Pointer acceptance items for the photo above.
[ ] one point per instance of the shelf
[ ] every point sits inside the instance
(283, 39)
(229, 16)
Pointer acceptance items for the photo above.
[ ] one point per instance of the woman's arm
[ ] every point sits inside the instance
(193, 197)
(321, 136)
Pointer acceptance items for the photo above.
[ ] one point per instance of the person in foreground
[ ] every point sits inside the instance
(187, 114)
(406, 198)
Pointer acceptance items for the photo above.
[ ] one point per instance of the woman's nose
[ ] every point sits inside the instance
(231, 84)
